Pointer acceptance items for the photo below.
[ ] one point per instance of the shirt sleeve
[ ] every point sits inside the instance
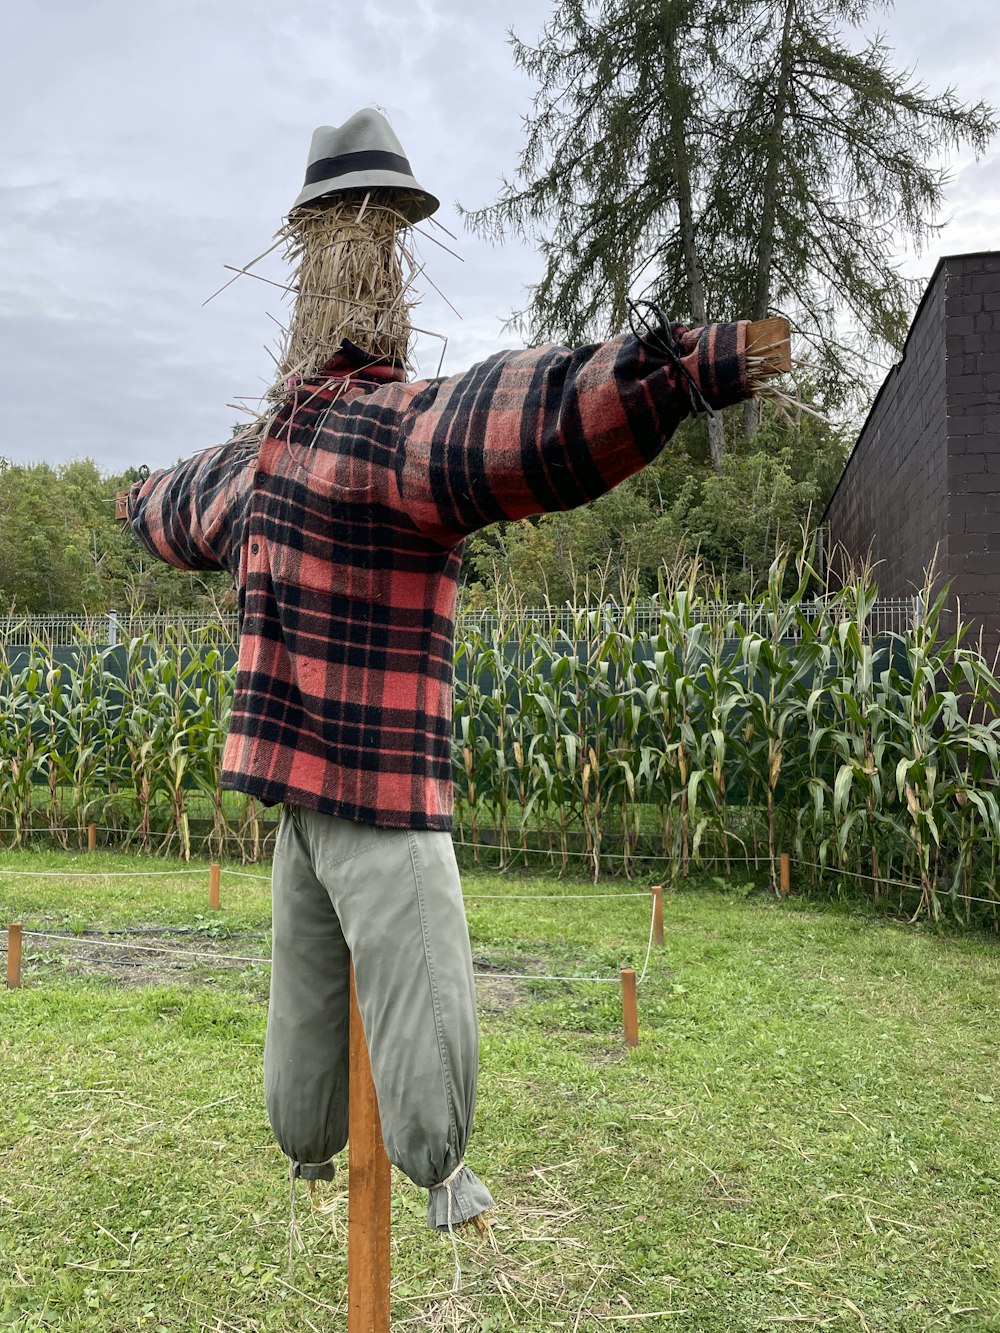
(553, 428)
(192, 515)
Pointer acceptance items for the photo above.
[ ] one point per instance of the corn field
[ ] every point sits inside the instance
(623, 746)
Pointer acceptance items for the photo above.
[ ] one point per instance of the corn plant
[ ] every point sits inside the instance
(782, 724)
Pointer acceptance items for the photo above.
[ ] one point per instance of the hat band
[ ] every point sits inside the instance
(329, 168)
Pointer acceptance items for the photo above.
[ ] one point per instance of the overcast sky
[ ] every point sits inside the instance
(146, 145)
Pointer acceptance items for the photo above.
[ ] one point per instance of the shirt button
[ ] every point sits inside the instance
(254, 548)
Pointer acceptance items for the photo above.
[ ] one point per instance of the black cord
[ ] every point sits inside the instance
(652, 331)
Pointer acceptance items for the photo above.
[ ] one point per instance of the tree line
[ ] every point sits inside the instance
(62, 551)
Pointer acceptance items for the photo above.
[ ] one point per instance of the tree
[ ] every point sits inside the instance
(832, 161)
(728, 159)
(61, 551)
(615, 168)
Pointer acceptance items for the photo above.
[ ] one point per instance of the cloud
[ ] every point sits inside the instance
(147, 146)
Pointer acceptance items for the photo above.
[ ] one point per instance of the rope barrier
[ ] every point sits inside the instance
(500, 897)
(150, 948)
(545, 897)
(555, 853)
(894, 883)
(238, 958)
(547, 976)
(98, 874)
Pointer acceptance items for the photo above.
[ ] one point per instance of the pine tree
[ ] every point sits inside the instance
(834, 161)
(611, 179)
(729, 160)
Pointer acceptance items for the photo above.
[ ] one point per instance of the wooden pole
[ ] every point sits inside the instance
(786, 874)
(368, 1194)
(214, 870)
(630, 1009)
(91, 837)
(14, 955)
(657, 913)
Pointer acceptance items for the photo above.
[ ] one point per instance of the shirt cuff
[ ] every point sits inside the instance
(715, 357)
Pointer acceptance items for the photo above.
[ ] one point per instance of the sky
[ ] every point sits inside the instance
(143, 147)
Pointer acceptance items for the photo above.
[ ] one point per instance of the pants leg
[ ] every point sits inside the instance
(306, 1052)
(398, 897)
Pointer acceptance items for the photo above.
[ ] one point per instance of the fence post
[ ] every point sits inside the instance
(786, 874)
(368, 1202)
(214, 871)
(91, 837)
(14, 955)
(657, 913)
(630, 1009)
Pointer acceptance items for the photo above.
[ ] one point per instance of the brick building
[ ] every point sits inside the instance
(925, 472)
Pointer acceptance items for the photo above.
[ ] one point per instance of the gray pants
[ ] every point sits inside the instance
(391, 898)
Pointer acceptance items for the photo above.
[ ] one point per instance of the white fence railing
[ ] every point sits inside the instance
(889, 615)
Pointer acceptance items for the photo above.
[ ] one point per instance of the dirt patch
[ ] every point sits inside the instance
(498, 992)
(498, 995)
(139, 959)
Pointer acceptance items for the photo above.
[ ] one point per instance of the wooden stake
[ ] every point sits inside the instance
(91, 837)
(657, 913)
(14, 955)
(786, 874)
(630, 1009)
(368, 1194)
(214, 871)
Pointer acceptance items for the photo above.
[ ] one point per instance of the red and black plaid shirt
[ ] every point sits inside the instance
(345, 534)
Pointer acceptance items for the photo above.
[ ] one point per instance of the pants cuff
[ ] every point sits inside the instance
(469, 1197)
(312, 1171)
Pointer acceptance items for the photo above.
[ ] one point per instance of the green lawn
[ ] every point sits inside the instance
(805, 1137)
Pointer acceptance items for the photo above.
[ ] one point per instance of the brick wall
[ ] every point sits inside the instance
(972, 311)
(924, 476)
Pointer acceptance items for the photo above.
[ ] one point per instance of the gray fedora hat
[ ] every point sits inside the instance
(362, 154)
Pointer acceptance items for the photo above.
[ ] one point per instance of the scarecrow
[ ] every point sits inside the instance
(341, 520)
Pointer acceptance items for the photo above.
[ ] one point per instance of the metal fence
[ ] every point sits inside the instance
(889, 615)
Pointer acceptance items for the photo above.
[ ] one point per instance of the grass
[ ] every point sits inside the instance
(805, 1137)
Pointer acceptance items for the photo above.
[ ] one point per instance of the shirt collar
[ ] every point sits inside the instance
(349, 359)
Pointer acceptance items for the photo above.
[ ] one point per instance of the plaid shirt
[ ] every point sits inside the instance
(344, 537)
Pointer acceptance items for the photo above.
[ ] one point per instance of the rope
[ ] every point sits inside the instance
(893, 883)
(122, 874)
(548, 976)
(545, 897)
(96, 874)
(150, 948)
(446, 1184)
(240, 958)
(554, 852)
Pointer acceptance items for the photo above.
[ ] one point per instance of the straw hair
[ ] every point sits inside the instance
(761, 373)
(352, 276)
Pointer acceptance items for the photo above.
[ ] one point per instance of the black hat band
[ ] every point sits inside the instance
(329, 168)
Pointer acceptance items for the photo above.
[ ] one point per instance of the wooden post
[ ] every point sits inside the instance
(630, 1009)
(214, 871)
(368, 1194)
(657, 913)
(786, 874)
(14, 955)
(91, 837)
